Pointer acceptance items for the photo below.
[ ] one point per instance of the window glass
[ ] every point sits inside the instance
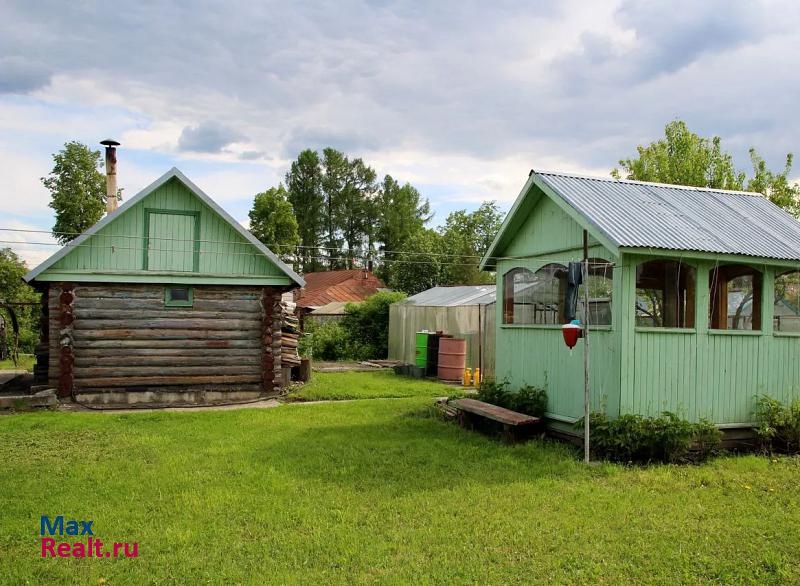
(534, 298)
(179, 296)
(735, 292)
(665, 294)
(601, 274)
(787, 302)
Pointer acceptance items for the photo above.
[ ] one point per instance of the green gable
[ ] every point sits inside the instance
(171, 232)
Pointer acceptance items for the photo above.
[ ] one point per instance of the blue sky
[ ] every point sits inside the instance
(461, 99)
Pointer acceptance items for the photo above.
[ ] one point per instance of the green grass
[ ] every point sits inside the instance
(26, 362)
(377, 491)
(367, 385)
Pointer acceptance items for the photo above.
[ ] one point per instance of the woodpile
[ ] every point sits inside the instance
(290, 335)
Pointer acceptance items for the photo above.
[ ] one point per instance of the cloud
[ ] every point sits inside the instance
(21, 76)
(207, 137)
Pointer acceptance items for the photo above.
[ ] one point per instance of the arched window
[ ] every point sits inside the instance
(601, 274)
(787, 302)
(735, 298)
(665, 294)
(534, 298)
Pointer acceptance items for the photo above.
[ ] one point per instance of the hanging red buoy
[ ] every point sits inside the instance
(571, 332)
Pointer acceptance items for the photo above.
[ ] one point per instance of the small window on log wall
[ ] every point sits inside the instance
(735, 298)
(180, 296)
(787, 302)
(534, 298)
(665, 293)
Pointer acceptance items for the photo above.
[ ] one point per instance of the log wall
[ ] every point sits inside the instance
(124, 339)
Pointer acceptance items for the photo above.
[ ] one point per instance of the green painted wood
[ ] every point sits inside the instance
(175, 232)
(697, 373)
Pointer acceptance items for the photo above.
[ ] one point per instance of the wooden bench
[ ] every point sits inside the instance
(515, 425)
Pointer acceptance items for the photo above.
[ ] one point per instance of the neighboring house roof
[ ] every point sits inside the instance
(638, 214)
(453, 296)
(173, 173)
(346, 285)
(332, 308)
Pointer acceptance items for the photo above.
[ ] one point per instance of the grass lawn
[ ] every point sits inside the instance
(26, 362)
(368, 385)
(377, 491)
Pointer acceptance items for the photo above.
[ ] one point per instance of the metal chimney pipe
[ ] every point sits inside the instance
(111, 174)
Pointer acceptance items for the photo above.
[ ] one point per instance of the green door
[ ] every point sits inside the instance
(171, 242)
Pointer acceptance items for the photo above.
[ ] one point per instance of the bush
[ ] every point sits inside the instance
(668, 438)
(367, 326)
(329, 342)
(528, 400)
(778, 425)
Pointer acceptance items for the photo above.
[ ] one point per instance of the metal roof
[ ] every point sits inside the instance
(453, 296)
(654, 215)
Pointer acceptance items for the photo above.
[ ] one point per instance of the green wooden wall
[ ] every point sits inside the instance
(536, 354)
(696, 373)
(171, 232)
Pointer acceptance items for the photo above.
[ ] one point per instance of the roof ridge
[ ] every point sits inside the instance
(653, 183)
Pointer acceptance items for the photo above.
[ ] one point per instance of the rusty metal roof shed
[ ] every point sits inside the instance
(639, 214)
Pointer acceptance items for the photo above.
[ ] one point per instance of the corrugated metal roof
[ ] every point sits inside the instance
(453, 296)
(653, 215)
(332, 308)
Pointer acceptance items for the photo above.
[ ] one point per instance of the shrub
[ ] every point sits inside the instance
(329, 342)
(366, 325)
(778, 425)
(667, 438)
(528, 400)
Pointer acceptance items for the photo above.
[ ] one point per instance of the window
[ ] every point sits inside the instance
(735, 298)
(600, 280)
(178, 296)
(787, 302)
(534, 298)
(665, 294)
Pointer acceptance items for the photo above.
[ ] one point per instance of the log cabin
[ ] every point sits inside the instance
(166, 300)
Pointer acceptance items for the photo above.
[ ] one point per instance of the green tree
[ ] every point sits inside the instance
(422, 267)
(401, 213)
(366, 325)
(685, 158)
(77, 190)
(272, 221)
(466, 238)
(355, 210)
(334, 165)
(304, 191)
(14, 289)
(775, 186)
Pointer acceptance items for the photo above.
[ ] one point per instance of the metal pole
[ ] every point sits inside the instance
(586, 394)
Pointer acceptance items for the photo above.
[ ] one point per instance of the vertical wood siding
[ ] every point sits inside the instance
(121, 245)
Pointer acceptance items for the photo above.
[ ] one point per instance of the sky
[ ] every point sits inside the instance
(462, 99)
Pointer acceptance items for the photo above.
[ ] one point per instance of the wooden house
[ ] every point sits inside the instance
(694, 298)
(165, 300)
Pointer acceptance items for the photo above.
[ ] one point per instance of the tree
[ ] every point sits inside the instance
(401, 213)
(467, 237)
(354, 209)
(14, 289)
(334, 164)
(685, 158)
(272, 221)
(775, 186)
(422, 267)
(304, 191)
(77, 190)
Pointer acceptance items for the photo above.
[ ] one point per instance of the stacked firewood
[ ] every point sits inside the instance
(290, 335)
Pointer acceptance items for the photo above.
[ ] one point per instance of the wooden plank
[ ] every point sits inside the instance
(155, 304)
(168, 324)
(185, 359)
(131, 381)
(151, 343)
(247, 387)
(500, 414)
(149, 334)
(167, 371)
